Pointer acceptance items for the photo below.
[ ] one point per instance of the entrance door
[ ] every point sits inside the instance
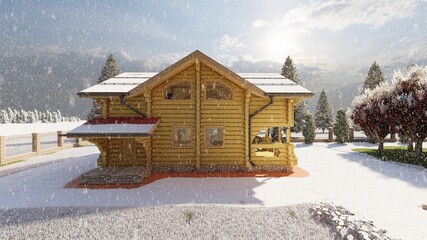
(127, 150)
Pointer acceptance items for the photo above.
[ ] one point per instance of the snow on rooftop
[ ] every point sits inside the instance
(270, 83)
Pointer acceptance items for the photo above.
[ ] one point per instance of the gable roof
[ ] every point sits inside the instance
(134, 83)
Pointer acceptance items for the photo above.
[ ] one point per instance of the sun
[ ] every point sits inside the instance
(277, 44)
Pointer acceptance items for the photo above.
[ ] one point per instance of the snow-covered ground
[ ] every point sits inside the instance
(387, 193)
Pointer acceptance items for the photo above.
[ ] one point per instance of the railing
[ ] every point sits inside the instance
(20, 147)
(353, 137)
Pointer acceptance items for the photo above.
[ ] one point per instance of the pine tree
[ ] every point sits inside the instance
(110, 70)
(309, 129)
(289, 71)
(374, 78)
(341, 127)
(323, 115)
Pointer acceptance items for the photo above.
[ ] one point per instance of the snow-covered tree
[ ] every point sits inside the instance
(408, 105)
(375, 77)
(371, 112)
(4, 118)
(323, 115)
(309, 129)
(289, 71)
(110, 70)
(341, 127)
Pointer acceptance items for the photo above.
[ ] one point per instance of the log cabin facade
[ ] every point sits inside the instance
(195, 115)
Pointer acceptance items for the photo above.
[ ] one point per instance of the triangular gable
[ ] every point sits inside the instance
(188, 61)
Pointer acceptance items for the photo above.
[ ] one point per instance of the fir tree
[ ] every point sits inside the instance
(110, 70)
(341, 127)
(374, 78)
(309, 129)
(289, 71)
(323, 115)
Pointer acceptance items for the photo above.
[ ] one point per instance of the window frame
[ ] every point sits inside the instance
(206, 135)
(189, 145)
(176, 82)
(205, 90)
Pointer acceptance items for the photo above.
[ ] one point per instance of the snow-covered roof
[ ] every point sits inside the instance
(135, 83)
(115, 127)
(275, 84)
(270, 83)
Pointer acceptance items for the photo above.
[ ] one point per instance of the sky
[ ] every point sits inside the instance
(327, 34)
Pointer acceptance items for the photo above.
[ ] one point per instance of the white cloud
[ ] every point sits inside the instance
(258, 23)
(336, 15)
(226, 42)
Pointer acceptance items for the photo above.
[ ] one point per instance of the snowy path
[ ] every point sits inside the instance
(388, 194)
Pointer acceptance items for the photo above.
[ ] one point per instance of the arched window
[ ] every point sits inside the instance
(218, 91)
(178, 91)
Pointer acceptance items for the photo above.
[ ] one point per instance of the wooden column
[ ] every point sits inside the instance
(288, 135)
(36, 143)
(198, 118)
(247, 133)
(2, 150)
(148, 150)
(147, 96)
(60, 139)
(291, 112)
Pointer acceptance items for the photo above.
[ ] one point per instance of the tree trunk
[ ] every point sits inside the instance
(381, 145)
(410, 145)
(418, 148)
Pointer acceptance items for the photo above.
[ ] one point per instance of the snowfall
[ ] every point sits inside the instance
(387, 193)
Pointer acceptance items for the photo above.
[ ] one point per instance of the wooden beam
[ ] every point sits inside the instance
(288, 135)
(198, 104)
(247, 133)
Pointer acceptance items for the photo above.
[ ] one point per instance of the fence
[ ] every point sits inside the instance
(20, 147)
(330, 137)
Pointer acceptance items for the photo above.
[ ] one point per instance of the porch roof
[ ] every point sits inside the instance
(115, 127)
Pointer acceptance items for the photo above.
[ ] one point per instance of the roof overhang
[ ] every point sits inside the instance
(115, 128)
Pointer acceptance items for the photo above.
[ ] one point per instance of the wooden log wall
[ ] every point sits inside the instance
(173, 113)
(228, 114)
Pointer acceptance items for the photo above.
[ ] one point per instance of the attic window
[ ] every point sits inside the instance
(218, 91)
(178, 91)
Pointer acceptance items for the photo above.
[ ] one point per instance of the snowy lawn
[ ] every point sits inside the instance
(387, 193)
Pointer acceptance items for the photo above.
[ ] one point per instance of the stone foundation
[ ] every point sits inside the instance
(135, 175)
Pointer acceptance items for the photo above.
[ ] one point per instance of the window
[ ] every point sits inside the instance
(181, 136)
(179, 91)
(214, 137)
(218, 91)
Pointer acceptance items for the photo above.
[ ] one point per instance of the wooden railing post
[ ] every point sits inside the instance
(2, 150)
(330, 134)
(60, 139)
(78, 142)
(36, 143)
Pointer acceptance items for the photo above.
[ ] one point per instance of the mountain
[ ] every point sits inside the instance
(50, 77)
